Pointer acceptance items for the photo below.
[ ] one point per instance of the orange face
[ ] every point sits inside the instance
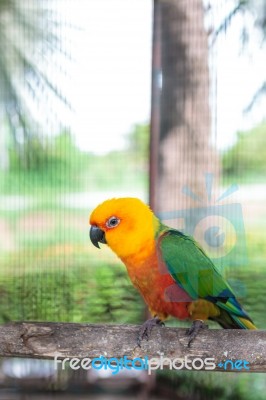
(125, 224)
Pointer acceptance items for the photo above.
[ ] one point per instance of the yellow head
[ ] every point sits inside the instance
(127, 225)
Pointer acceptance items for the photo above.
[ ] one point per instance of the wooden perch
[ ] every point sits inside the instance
(47, 340)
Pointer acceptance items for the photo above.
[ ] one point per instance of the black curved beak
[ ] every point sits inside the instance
(96, 236)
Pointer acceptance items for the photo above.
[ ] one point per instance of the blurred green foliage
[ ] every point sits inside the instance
(46, 163)
(138, 142)
(104, 172)
(247, 157)
(94, 293)
(215, 385)
(56, 163)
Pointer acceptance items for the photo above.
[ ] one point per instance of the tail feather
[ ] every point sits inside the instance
(244, 323)
(233, 316)
(229, 321)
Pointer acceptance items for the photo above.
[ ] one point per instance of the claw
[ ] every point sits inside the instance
(193, 331)
(146, 329)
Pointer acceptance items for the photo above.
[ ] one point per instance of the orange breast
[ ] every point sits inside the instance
(162, 295)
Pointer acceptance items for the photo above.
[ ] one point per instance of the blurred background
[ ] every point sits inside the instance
(162, 100)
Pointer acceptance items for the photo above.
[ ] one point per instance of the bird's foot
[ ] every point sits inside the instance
(146, 328)
(193, 331)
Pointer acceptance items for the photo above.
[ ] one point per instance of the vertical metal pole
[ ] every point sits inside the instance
(155, 105)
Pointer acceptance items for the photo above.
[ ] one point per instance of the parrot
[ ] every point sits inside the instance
(170, 269)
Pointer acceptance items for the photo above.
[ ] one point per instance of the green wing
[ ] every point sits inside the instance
(194, 272)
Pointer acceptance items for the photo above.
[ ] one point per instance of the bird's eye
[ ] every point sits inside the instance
(112, 222)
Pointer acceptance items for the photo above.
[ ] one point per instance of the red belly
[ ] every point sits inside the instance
(159, 290)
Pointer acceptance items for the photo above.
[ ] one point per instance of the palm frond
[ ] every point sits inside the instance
(256, 97)
(227, 21)
(256, 9)
(30, 39)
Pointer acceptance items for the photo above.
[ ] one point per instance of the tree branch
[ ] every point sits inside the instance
(48, 339)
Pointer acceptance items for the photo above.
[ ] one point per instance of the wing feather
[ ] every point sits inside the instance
(194, 272)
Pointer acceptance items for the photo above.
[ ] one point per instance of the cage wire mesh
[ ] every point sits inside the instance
(57, 64)
(49, 183)
(202, 163)
(195, 186)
